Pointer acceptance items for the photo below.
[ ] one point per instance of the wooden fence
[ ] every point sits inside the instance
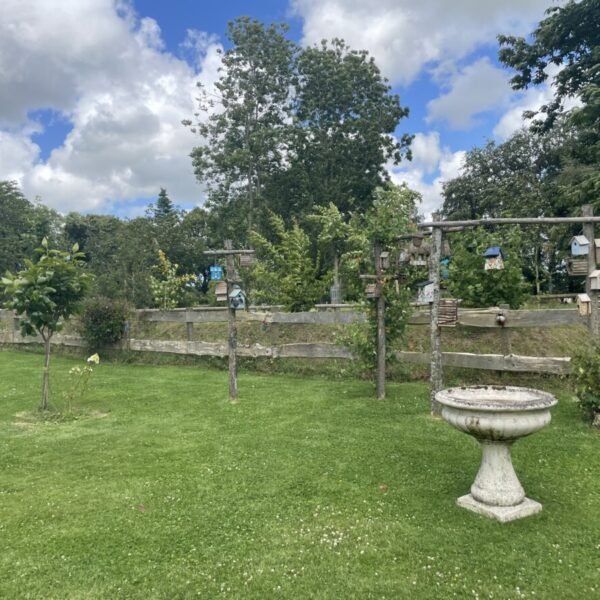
(340, 315)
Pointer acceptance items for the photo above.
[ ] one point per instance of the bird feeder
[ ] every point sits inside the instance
(577, 267)
(425, 293)
(584, 305)
(237, 298)
(594, 278)
(221, 291)
(493, 259)
(246, 260)
(216, 272)
(448, 312)
(580, 245)
(371, 290)
(384, 260)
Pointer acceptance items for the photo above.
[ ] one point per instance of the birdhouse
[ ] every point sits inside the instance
(584, 305)
(246, 260)
(237, 298)
(577, 267)
(493, 258)
(221, 291)
(371, 290)
(448, 312)
(425, 292)
(597, 247)
(216, 272)
(580, 245)
(445, 268)
(419, 254)
(594, 278)
(445, 248)
(417, 239)
(384, 260)
(403, 257)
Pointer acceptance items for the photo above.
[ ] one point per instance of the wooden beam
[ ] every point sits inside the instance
(509, 221)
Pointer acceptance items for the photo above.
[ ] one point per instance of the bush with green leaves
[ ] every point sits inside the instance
(103, 321)
(476, 287)
(586, 381)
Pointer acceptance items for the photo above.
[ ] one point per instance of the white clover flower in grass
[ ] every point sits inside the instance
(93, 359)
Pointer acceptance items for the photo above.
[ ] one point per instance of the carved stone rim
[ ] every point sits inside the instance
(495, 398)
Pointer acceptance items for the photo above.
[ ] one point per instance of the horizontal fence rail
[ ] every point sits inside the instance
(340, 315)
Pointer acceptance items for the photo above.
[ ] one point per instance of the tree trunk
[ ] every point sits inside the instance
(46, 375)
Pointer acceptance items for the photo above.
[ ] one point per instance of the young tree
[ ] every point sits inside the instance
(167, 286)
(46, 293)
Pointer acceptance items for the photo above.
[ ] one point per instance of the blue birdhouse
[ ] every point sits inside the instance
(493, 258)
(216, 272)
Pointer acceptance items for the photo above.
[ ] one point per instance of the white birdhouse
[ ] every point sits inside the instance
(425, 292)
(237, 298)
(580, 245)
(584, 305)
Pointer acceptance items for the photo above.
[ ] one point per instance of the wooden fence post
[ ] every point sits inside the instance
(380, 323)
(436, 377)
(232, 325)
(506, 337)
(588, 231)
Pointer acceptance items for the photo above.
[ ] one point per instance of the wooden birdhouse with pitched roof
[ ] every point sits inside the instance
(494, 259)
(584, 305)
(580, 245)
(594, 278)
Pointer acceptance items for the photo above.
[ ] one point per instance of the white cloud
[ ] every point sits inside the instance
(109, 76)
(404, 35)
(477, 88)
(431, 166)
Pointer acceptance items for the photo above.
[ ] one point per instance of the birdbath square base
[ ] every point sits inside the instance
(504, 514)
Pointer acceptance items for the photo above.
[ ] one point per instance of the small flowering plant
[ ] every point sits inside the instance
(80, 381)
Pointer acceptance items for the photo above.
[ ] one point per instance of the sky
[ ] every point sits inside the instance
(93, 92)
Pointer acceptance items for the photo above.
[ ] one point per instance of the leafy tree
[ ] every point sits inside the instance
(46, 293)
(569, 37)
(345, 118)
(15, 213)
(244, 135)
(285, 272)
(167, 287)
(479, 288)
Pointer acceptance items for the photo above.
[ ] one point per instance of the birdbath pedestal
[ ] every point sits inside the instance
(497, 417)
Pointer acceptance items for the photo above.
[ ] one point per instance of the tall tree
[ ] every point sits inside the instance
(244, 125)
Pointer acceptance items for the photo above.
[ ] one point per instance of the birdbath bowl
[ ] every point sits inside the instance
(497, 417)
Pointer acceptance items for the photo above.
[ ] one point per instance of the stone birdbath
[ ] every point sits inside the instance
(497, 417)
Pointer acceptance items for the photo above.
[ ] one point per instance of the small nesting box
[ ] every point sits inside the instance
(221, 291)
(425, 292)
(448, 312)
(371, 290)
(577, 267)
(384, 261)
(594, 278)
(246, 260)
(580, 245)
(419, 254)
(597, 248)
(237, 298)
(494, 259)
(584, 305)
(216, 272)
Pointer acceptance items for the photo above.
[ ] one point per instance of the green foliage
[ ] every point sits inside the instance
(476, 287)
(284, 272)
(586, 380)
(79, 384)
(167, 287)
(102, 321)
(48, 291)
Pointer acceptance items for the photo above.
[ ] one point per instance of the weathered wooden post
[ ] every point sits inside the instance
(189, 326)
(436, 345)
(506, 337)
(232, 277)
(380, 323)
(588, 231)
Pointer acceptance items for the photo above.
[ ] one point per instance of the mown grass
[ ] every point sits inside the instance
(304, 489)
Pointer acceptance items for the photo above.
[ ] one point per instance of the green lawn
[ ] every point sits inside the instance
(307, 488)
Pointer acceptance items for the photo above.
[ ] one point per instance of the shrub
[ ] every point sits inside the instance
(586, 377)
(103, 321)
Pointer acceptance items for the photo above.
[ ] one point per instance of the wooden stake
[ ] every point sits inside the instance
(436, 345)
(380, 324)
(232, 325)
(588, 230)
